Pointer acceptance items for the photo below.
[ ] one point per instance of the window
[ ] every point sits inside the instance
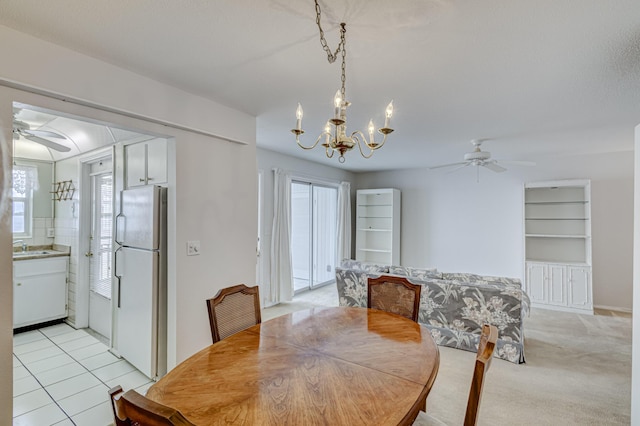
(25, 180)
(101, 234)
(313, 234)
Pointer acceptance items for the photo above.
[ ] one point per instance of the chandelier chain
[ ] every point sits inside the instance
(343, 77)
(323, 41)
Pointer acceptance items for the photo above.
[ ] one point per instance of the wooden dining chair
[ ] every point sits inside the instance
(132, 409)
(232, 310)
(394, 294)
(486, 347)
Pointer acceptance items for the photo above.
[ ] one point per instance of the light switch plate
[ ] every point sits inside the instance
(193, 248)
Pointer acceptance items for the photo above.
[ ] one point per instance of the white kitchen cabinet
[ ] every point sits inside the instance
(557, 223)
(146, 163)
(39, 290)
(378, 226)
(559, 286)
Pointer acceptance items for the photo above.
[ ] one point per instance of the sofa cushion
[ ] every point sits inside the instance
(364, 266)
(420, 273)
(461, 277)
(511, 282)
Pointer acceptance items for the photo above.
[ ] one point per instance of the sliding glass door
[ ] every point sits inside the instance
(313, 234)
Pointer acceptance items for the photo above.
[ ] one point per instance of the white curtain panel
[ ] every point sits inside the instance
(344, 222)
(281, 273)
(25, 179)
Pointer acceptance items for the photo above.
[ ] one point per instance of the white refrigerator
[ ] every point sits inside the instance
(141, 279)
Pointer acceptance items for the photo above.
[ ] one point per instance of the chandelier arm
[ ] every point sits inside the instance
(378, 146)
(328, 152)
(361, 140)
(312, 146)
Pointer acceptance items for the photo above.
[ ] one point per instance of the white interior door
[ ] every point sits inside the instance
(100, 249)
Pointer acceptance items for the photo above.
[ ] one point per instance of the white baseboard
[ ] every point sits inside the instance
(614, 308)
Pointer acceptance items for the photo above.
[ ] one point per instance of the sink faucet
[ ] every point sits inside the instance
(24, 244)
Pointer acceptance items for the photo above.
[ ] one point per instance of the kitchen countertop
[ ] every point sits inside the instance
(41, 252)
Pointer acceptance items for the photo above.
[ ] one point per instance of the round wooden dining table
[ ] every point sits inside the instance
(322, 366)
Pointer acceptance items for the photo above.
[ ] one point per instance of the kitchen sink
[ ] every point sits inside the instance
(31, 253)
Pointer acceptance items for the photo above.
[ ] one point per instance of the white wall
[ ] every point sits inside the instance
(267, 161)
(213, 182)
(66, 223)
(455, 224)
(635, 359)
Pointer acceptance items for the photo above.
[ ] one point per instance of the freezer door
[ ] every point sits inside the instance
(137, 225)
(137, 308)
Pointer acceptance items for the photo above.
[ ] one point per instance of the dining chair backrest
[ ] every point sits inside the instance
(394, 294)
(233, 309)
(132, 409)
(486, 347)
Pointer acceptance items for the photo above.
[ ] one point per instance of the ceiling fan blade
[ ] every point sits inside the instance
(44, 134)
(468, 163)
(463, 163)
(518, 162)
(491, 165)
(47, 143)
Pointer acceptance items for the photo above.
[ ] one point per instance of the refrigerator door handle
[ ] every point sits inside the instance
(120, 217)
(115, 272)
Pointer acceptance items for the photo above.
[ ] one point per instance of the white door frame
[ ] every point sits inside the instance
(84, 227)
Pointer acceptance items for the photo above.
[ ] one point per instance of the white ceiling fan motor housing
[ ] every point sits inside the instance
(477, 155)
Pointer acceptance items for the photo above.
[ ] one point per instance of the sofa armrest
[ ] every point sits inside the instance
(352, 287)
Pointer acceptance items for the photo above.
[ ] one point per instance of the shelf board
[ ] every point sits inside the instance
(374, 230)
(556, 202)
(374, 250)
(556, 218)
(557, 262)
(374, 217)
(556, 236)
(374, 205)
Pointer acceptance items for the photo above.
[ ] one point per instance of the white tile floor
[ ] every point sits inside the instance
(61, 377)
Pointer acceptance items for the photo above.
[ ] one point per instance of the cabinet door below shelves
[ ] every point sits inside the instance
(536, 282)
(579, 287)
(557, 288)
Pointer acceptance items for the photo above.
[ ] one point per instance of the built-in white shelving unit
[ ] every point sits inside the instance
(557, 223)
(378, 226)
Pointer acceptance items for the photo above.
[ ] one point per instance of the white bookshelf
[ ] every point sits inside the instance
(378, 226)
(557, 223)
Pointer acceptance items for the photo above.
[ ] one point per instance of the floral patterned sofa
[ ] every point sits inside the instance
(452, 305)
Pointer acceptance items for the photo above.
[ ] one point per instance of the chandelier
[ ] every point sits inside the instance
(336, 138)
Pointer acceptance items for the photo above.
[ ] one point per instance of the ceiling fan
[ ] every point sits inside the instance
(479, 158)
(22, 129)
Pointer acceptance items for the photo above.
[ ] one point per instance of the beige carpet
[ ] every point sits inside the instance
(578, 371)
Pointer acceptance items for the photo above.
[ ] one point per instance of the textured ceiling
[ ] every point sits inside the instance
(542, 78)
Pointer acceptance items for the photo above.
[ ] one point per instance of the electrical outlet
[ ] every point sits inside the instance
(193, 248)
(51, 232)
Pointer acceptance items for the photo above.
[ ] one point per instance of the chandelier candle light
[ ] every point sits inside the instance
(339, 140)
